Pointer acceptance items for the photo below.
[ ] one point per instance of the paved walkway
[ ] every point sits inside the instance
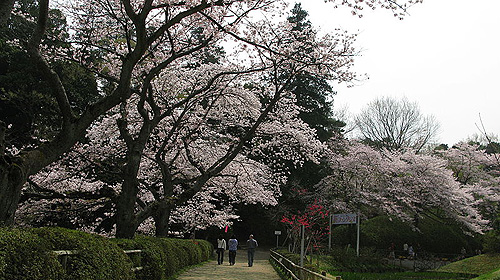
(261, 269)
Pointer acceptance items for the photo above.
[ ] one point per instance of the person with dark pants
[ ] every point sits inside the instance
(233, 246)
(252, 245)
(221, 247)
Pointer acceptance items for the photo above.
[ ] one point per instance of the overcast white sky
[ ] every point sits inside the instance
(445, 55)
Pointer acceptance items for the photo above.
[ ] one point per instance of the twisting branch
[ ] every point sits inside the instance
(482, 129)
(178, 18)
(47, 72)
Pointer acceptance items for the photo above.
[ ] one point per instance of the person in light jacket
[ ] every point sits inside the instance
(221, 247)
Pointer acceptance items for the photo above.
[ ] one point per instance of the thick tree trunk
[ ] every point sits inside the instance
(161, 218)
(15, 170)
(126, 219)
(12, 179)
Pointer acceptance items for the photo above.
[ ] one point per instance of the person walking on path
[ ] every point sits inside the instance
(233, 246)
(411, 252)
(251, 244)
(221, 247)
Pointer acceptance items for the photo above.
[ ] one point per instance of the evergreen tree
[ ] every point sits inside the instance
(313, 93)
(27, 103)
(315, 96)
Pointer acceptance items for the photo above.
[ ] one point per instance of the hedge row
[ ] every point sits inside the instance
(28, 254)
(163, 257)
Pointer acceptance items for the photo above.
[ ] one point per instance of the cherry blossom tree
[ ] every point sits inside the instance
(276, 55)
(400, 184)
(18, 163)
(479, 172)
(128, 44)
(119, 48)
(187, 136)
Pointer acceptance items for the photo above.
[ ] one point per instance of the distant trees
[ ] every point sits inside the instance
(477, 169)
(395, 124)
(400, 184)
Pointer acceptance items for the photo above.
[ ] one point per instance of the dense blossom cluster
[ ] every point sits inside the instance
(478, 172)
(460, 183)
(401, 184)
(188, 122)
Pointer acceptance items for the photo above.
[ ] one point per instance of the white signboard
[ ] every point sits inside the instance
(277, 232)
(344, 219)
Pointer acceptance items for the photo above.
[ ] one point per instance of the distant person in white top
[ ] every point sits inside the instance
(411, 253)
(221, 247)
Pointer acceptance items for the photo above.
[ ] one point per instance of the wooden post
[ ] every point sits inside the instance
(302, 241)
(330, 231)
(358, 221)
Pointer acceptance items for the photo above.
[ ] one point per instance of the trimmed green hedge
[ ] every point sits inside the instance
(162, 258)
(27, 254)
(97, 257)
(24, 255)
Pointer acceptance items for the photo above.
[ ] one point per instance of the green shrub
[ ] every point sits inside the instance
(153, 257)
(369, 261)
(193, 252)
(27, 254)
(162, 258)
(97, 257)
(380, 232)
(492, 241)
(24, 255)
(433, 235)
(207, 249)
(130, 244)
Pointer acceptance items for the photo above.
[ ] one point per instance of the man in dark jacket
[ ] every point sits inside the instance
(251, 244)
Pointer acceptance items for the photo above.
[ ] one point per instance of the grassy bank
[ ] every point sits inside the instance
(487, 266)
(401, 276)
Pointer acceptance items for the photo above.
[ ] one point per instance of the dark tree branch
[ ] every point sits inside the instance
(50, 75)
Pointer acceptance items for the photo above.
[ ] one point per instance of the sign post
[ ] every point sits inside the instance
(277, 233)
(330, 232)
(346, 219)
(357, 235)
(302, 243)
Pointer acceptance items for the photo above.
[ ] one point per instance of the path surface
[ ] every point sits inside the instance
(261, 269)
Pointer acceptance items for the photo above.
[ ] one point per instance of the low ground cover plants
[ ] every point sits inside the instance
(369, 266)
